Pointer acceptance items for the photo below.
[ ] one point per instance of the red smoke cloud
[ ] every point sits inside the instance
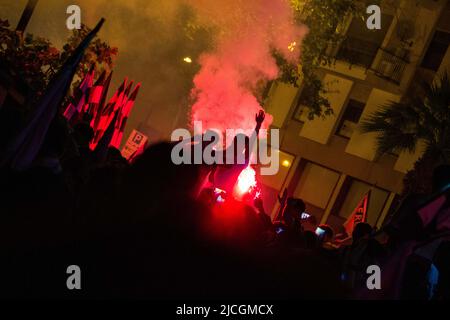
(248, 32)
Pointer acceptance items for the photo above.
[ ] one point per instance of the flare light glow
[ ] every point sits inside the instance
(246, 181)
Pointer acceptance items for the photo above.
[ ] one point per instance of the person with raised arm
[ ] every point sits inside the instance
(224, 176)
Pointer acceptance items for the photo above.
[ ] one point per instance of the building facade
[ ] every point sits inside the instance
(327, 161)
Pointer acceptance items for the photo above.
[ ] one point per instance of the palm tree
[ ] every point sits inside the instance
(400, 126)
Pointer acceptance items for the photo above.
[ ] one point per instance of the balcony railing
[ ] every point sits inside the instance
(357, 51)
(382, 62)
(391, 66)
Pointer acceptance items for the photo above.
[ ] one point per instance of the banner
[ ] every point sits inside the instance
(134, 142)
(358, 215)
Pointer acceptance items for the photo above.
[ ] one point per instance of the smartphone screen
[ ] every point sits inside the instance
(279, 230)
(320, 232)
(305, 216)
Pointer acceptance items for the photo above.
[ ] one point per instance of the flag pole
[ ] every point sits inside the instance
(26, 16)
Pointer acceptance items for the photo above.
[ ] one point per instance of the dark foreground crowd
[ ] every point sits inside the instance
(149, 230)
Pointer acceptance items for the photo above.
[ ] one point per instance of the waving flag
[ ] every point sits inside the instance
(79, 98)
(95, 95)
(101, 149)
(358, 215)
(22, 150)
(107, 114)
(96, 118)
(121, 100)
(122, 122)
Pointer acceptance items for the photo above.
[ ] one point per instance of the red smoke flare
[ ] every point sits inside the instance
(249, 32)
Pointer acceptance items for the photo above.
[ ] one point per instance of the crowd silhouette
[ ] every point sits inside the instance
(151, 229)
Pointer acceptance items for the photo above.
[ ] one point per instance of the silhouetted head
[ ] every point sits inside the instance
(361, 230)
(83, 134)
(293, 210)
(207, 197)
(441, 177)
(327, 234)
(311, 240)
(56, 138)
(155, 170)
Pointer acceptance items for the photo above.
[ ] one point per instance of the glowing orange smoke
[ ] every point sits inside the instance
(246, 181)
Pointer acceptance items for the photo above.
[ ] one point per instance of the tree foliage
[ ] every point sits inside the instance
(35, 60)
(400, 126)
(324, 19)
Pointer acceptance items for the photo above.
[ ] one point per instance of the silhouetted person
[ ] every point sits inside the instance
(226, 175)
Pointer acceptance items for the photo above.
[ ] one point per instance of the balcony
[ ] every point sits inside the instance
(357, 51)
(391, 66)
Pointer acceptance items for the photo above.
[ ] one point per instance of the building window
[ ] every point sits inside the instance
(307, 94)
(276, 181)
(301, 112)
(361, 44)
(350, 118)
(436, 51)
(316, 184)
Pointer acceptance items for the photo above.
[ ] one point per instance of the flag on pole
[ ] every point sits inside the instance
(126, 93)
(119, 106)
(96, 118)
(433, 206)
(23, 149)
(122, 121)
(107, 114)
(95, 94)
(101, 149)
(78, 100)
(358, 215)
(110, 106)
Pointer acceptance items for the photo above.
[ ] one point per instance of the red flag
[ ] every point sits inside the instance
(107, 114)
(95, 94)
(120, 104)
(79, 98)
(96, 118)
(126, 109)
(125, 95)
(101, 149)
(358, 215)
(92, 99)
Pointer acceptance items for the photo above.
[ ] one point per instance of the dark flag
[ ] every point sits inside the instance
(435, 210)
(101, 149)
(23, 149)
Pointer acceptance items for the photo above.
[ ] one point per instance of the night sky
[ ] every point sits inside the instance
(152, 44)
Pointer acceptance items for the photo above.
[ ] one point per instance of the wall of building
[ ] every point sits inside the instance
(320, 129)
(332, 172)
